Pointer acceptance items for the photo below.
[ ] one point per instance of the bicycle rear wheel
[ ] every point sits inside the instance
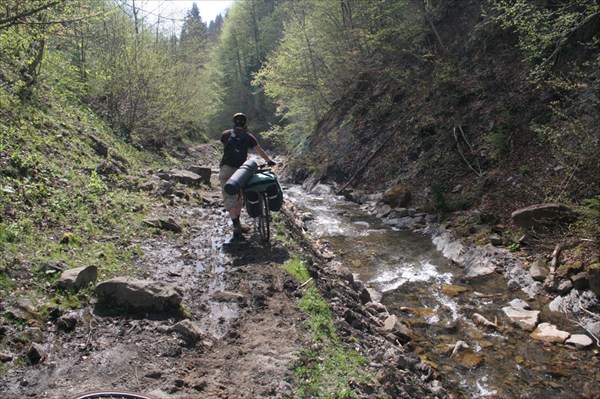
(111, 395)
(264, 218)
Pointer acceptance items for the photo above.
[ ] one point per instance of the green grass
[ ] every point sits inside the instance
(326, 368)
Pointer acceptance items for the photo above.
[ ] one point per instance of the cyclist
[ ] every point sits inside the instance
(236, 143)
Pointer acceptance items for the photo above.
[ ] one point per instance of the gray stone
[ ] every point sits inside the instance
(547, 332)
(394, 326)
(525, 319)
(36, 353)
(543, 216)
(564, 287)
(496, 240)
(68, 322)
(519, 304)
(139, 295)
(203, 172)
(384, 211)
(579, 340)
(539, 271)
(188, 329)
(182, 176)
(399, 213)
(78, 278)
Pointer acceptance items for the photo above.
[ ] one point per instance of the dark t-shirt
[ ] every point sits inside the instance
(236, 152)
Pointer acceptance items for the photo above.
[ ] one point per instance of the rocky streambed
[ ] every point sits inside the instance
(480, 315)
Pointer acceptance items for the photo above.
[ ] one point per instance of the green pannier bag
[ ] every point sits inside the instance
(259, 182)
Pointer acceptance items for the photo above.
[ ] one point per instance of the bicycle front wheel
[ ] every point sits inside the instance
(264, 218)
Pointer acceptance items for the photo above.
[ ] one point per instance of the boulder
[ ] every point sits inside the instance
(539, 271)
(397, 196)
(525, 319)
(543, 216)
(78, 278)
(549, 333)
(203, 172)
(182, 176)
(139, 295)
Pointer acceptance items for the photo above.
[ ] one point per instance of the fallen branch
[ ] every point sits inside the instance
(479, 173)
(555, 256)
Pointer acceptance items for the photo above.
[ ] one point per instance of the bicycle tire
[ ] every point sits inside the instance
(111, 395)
(264, 218)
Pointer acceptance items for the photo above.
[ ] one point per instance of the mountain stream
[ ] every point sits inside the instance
(406, 273)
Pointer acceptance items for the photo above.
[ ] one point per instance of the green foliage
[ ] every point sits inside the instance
(324, 372)
(544, 30)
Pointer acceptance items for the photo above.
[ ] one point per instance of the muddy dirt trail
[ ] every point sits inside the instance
(235, 291)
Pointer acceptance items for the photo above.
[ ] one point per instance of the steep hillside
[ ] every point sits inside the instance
(464, 126)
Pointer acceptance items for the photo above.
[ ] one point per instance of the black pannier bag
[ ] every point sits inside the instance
(259, 182)
(251, 198)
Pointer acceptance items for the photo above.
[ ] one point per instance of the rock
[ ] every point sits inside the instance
(539, 271)
(68, 322)
(169, 224)
(579, 340)
(564, 287)
(549, 333)
(99, 146)
(543, 216)
(78, 278)
(568, 269)
(453, 290)
(36, 354)
(397, 196)
(53, 267)
(227, 296)
(483, 322)
(525, 319)
(111, 167)
(496, 240)
(188, 329)
(364, 296)
(394, 326)
(203, 172)
(401, 223)
(24, 308)
(342, 272)
(594, 278)
(139, 295)
(519, 304)
(182, 176)
(384, 211)
(580, 281)
(465, 357)
(399, 213)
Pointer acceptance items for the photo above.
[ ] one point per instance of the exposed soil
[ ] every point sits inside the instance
(246, 306)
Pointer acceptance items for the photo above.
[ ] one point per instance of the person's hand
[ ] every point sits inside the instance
(271, 163)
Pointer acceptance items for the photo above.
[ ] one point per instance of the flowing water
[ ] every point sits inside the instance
(410, 276)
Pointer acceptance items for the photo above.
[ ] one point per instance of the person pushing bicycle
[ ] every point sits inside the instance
(236, 143)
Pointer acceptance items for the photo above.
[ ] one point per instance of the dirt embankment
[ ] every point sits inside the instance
(246, 307)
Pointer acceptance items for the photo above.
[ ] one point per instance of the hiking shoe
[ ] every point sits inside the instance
(239, 231)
